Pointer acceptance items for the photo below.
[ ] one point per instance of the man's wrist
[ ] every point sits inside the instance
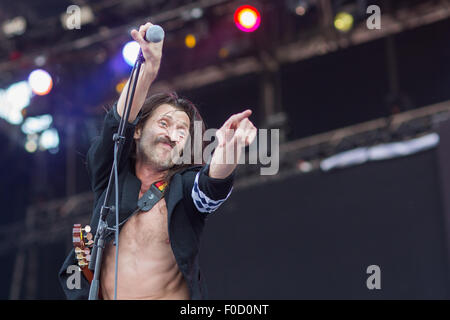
(221, 171)
(148, 75)
(218, 167)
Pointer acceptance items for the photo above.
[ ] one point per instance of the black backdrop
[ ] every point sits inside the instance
(314, 235)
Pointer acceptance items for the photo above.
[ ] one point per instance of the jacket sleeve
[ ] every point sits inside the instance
(73, 283)
(100, 156)
(207, 194)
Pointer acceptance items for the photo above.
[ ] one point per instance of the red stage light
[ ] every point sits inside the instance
(247, 18)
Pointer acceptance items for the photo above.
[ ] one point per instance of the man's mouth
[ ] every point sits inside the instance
(167, 145)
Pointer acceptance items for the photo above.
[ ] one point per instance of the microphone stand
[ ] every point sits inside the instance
(102, 227)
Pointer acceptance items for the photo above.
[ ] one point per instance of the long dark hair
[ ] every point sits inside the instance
(156, 100)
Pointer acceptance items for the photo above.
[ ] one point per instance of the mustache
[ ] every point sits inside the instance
(165, 140)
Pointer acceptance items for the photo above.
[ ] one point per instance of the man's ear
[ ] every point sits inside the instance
(137, 133)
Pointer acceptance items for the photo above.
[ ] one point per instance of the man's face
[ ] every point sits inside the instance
(162, 137)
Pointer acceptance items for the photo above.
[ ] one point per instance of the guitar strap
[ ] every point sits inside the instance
(152, 196)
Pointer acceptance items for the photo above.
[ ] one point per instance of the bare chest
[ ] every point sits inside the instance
(147, 266)
(147, 227)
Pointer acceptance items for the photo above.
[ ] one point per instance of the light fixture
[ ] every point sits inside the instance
(247, 18)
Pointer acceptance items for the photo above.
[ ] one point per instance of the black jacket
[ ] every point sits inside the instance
(190, 196)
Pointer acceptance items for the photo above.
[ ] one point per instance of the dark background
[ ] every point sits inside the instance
(313, 237)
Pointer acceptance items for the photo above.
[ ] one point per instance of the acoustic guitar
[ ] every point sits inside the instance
(83, 242)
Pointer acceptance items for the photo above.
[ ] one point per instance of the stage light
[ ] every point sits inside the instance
(40, 60)
(19, 95)
(301, 7)
(121, 85)
(13, 100)
(36, 124)
(31, 146)
(190, 41)
(49, 139)
(14, 27)
(192, 14)
(130, 52)
(343, 21)
(224, 53)
(7, 112)
(13, 117)
(14, 55)
(247, 18)
(196, 13)
(304, 166)
(40, 81)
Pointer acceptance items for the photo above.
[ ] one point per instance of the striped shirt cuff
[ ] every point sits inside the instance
(202, 202)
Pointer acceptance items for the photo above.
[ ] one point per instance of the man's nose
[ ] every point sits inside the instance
(173, 136)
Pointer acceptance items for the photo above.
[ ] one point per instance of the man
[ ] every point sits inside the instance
(158, 249)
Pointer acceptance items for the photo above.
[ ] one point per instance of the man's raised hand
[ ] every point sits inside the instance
(235, 134)
(237, 130)
(152, 52)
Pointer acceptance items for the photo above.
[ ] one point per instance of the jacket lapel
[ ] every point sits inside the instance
(174, 195)
(129, 198)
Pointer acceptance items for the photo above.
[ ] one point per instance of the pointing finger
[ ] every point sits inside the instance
(238, 117)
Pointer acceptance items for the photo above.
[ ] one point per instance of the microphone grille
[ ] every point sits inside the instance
(154, 34)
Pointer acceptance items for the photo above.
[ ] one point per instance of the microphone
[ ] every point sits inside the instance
(154, 34)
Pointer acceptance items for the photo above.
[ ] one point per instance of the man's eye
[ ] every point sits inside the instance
(183, 133)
